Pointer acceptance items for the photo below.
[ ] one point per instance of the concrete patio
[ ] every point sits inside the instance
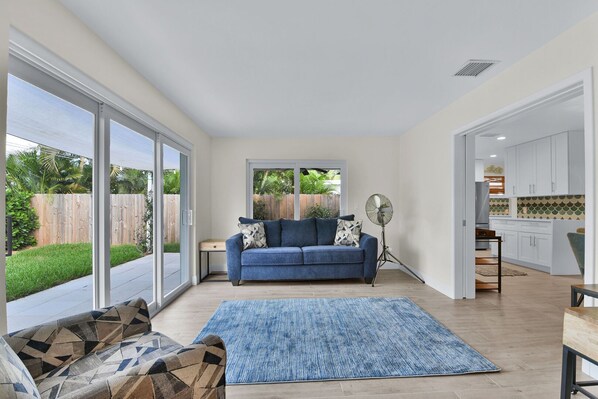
(129, 280)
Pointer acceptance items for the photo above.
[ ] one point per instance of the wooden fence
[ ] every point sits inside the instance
(284, 207)
(67, 218)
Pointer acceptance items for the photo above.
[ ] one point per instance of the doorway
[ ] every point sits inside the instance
(464, 178)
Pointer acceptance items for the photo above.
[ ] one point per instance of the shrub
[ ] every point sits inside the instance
(260, 212)
(318, 211)
(24, 218)
(145, 233)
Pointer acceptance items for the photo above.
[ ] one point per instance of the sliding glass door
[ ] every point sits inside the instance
(97, 202)
(175, 201)
(132, 190)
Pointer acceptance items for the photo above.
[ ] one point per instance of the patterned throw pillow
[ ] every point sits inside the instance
(348, 232)
(15, 380)
(254, 235)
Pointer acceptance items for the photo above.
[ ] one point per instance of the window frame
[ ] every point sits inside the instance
(296, 166)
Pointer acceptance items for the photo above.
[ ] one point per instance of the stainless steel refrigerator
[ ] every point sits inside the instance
(482, 210)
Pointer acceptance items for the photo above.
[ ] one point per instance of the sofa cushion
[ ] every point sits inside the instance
(272, 228)
(329, 254)
(15, 379)
(298, 233)
(272, 256)
(112, 360)
(327, 228)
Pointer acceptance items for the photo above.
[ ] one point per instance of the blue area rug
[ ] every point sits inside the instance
(287, 340)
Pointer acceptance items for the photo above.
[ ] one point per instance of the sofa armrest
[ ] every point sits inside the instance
(48, 346)
(194, 371)
(234, 247)
(370, 247)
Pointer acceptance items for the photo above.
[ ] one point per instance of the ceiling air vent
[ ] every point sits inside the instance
(475, 67)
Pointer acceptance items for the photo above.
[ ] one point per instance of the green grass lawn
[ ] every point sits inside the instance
(36, 269)
(172, 247)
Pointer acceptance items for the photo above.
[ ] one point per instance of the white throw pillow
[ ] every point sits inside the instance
(254, 235)
(348, 232)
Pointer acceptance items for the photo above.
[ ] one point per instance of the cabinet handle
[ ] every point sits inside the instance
(552, 186)
(529, 189)
(534, 187)
(534, 241)
(530, 241)
(513, 189)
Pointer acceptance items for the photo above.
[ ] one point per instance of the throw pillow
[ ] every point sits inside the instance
(254, 235)
(327, 229)
(299, 233)
(272, 228)
(348, 233)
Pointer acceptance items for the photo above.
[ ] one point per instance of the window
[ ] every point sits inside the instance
(296, 189)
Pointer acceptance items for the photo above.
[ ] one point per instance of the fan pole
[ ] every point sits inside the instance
(387, 256)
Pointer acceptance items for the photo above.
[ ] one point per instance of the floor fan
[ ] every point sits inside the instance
(379, 210)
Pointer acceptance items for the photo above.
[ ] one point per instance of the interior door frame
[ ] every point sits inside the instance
(464, 186)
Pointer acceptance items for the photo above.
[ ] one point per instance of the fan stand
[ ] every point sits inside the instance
(387, 256)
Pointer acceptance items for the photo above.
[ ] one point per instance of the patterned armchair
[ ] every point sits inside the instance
(108, 353)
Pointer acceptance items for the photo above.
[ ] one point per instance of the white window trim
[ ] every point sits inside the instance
(296, 165)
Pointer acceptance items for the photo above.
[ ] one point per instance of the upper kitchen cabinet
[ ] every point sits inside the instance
(568, 163)
(510, 171)
(552, 165)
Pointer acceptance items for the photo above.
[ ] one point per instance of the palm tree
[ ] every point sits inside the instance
(172, 181)
(46, 170)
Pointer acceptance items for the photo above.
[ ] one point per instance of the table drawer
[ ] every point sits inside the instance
(215, 246)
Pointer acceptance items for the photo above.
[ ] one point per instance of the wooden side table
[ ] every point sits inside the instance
(580, 328)
(490, 260)
(209, 246)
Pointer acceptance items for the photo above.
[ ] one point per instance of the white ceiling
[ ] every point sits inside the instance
(531, 125)
(320, 67)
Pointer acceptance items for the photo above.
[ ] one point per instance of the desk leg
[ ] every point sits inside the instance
(568, 373)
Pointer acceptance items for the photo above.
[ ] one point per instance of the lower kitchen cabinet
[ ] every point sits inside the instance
(537, 243)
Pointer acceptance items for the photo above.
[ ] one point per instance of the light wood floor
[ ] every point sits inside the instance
(520, 330)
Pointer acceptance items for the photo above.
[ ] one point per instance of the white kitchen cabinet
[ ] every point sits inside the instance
(509, 244)
(526, 249)
(553, 165)
(511, 171)
(568, 163)
(541, 244)
(543, 157)
(526, 169)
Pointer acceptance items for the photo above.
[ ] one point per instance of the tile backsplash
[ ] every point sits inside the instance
(499, 207)
(566, 207)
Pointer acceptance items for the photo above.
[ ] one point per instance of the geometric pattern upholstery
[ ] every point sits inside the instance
(48, 346)
(254, 235)
(15, 380)
(97, 366)
(348, 232)
(112, 353)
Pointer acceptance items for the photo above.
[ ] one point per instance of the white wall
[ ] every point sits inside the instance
(54, 27)
(3, 78)
(426, 209)
(372, 165)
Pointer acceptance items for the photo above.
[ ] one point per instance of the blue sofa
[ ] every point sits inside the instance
(301, 250)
